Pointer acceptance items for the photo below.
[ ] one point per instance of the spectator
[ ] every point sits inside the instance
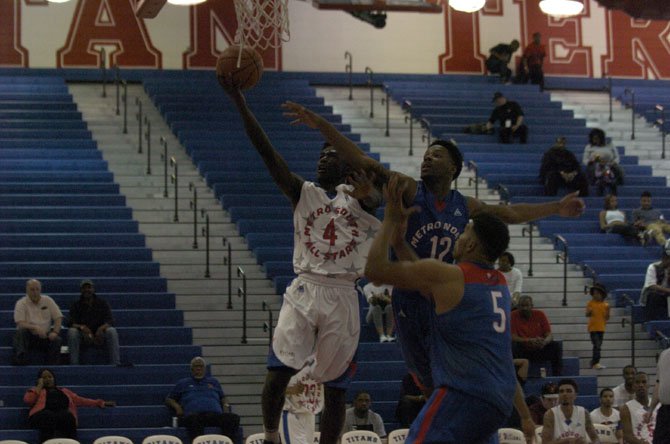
(598, 312)
(532, 59)
(91, 322)
(662, 396)
(199, 402)
(304, 400)
(513, 276)
(560, 168)
(547, 400)
(53, 410)
(532, 338)
(410, 403)
(499, 58)
(657, 287)
(606, 415)
(38, 323)
(650, 220)
(613, 220)
(601, 160)
(638, 427)
(625, 391)
(360, 417)
(567, 422)
(510, 116)
(380, 311)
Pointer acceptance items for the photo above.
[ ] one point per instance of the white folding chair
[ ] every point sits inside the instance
(360, 435)
(398, 436)
(538, 434)
(61, 441)
(317, 437)
(256, 438)
(511, 436)
(606, 434)
(212, 439)
(162, 439)
(112, 439)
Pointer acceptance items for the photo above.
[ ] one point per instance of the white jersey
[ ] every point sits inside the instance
(612, 421)
(310, 400)
(621, 395)
(641, 430)
(574, 428)
(332, 236)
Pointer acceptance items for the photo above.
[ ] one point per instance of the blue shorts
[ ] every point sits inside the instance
(412, 313)
(453, 417)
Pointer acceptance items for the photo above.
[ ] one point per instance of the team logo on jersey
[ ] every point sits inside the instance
(439, 229)
(326, 237)
(458, 212)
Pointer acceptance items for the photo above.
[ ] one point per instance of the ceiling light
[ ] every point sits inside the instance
(185, 2)
(467, 5)
(58, 1)
(562, 8)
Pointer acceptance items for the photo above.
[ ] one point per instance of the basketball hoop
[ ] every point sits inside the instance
(262, 24)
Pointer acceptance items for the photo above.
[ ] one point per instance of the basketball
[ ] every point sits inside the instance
(249, 72)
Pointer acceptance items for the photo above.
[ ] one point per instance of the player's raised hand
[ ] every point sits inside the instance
(299, 114)
(571, 205)
(363, 184)
(395, 208)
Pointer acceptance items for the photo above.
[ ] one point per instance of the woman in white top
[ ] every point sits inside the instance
(602, 162)
(613, 220)
(513, 276)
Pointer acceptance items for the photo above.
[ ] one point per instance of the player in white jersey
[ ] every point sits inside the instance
(636, 428)
(606, 414)
(304, 400)
(568, 423)
(319, 318)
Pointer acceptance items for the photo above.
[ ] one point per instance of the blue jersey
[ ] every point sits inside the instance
(471, 348)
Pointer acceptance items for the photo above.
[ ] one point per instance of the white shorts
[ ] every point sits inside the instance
(318, 319)
(296, 428)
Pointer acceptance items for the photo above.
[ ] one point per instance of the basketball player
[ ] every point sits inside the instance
(469, 320)
(568, 423)
(319, 316)
(304, 400)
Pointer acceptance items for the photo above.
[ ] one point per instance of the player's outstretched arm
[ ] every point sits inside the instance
(289, 183)
(527, 424)
(570, 206)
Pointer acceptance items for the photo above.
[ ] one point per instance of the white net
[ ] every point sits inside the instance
(262, 24)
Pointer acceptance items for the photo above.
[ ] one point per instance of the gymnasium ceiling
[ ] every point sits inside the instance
(644, 9)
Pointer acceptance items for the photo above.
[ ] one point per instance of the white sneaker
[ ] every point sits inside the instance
(383, 338)
(390, 338)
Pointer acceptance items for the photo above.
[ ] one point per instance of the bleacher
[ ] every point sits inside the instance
(63, 220)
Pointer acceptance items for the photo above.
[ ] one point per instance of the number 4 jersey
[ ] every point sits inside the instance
(332, 236)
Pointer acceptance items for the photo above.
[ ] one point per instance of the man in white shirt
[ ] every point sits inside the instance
(662, 396)
(567, 422)
(360, 417)
(513, 276)
(625, 391)
(380, 310)
(38, 323)
(606, 415)
(638, 426)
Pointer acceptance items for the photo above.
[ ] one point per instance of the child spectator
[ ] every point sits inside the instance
(598, 312)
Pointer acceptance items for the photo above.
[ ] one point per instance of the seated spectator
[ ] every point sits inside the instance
(650, 220)
(567, 422)
(513, 276)
(380, 311)
(601, 160)
(637, 428)
(510, 116)
(53, 410)
(548, 399)
(532, 338)
(532, 59)
(625, 391)
(560, 168)
(613, 220)
(657, 287)
(410, 403)
(499, 58)
(360, 417)
(91, 323)
(198, 402)
(606, 414)
(38, 323)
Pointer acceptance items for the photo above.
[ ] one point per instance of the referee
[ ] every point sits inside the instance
(662, 395)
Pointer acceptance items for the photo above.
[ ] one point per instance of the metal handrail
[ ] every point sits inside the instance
(117, 84)
(164, 158)
(349, 70)
(174, 177)
(369, 72)
(529, 230)
(632, 327)
(564, 257)
(608, 89)
(147, 122)
(472, 165)
(589, 272)
(242, 292)
(125, 106)
(387, 101)
(660, 122)
(631, 92)
(138, 117)
(407, 106)
(205, 232)
(425, 124)
(267, 326)
(229, 262)
(103, 68)
(194, 206)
